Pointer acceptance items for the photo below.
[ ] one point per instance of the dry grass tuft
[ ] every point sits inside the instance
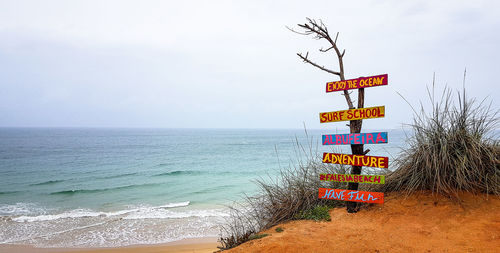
(452, 149)
(285, 198)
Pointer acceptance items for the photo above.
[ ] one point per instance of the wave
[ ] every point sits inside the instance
(177, 172)
(170, 205)
(214, 189)
(177, 215)
(48, 182)
(9, 192)
(120, 175)
(155, 212)
(163, 164)
(83, 191)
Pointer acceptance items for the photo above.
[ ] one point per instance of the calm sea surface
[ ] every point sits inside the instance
(115, 187)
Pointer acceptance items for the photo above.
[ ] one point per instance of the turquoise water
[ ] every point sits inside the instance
(115, 187)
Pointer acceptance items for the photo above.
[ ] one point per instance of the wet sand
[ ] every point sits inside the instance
(197, 245)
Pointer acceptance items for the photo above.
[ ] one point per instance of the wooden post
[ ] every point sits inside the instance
(357, 149)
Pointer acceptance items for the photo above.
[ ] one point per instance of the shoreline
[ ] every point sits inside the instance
(197, 245)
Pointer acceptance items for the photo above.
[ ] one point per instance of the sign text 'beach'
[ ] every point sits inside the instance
(348, 178)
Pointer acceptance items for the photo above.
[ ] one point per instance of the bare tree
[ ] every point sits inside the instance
(319, 31)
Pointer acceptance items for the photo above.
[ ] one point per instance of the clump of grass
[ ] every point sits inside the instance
(317, 213)
(257, 236)
(451, 150)
(279, 229)
(281, 199)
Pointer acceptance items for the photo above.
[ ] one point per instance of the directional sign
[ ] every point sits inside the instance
(356, 160)
(352, 114)
(350, 195)
(367, 179)
(362, 82)
(355, 138)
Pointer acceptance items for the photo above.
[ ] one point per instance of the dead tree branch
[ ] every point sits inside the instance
(319, 31)
(305, 59)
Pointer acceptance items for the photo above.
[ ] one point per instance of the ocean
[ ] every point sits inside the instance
(99, 187)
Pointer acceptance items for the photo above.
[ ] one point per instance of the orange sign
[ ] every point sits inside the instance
(350, 195)
(352, 114)
(356, 160)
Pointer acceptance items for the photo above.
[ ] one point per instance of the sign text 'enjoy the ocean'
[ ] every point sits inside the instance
(362, 82)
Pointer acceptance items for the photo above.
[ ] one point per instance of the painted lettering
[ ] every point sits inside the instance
(356, 160)
(362, 82)
(351, 195)
(353, 114)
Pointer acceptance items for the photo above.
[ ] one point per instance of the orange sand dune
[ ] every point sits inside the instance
(419, 223)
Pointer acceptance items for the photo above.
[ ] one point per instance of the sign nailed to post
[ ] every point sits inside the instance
(355, 138)
(350, 195)
(352, 114)
(356, 160)
(367, 179)
(362, 82)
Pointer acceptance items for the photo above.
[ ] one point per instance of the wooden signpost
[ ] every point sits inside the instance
(354, 139)
(354, 115)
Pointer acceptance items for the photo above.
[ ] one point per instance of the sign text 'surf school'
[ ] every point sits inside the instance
(354, 139)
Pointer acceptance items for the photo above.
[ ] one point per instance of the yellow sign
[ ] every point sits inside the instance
(353, 114)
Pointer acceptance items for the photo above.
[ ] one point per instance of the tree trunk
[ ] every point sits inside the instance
(357, 149)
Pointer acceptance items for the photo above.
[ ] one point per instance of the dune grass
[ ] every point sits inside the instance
(317, 213)
(452, 149)
(293, 195)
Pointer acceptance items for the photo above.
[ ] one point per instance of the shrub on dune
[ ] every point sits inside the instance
(452, 149)
(290, 196)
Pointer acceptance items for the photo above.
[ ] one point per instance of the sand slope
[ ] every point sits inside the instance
(419, 223)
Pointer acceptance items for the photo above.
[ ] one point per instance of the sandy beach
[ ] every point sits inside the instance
(419, 223)
(196, 245)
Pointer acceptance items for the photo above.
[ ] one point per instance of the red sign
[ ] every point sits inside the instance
(356, 160)
(362, 82)
(350, 195)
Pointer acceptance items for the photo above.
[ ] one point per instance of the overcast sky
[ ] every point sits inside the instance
(232, 64)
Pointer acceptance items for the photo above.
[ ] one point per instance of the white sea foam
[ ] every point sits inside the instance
(21, 209)
(77, 213)
(155, 212)
(167, 214)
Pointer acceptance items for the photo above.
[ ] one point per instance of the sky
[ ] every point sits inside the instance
(233, 64)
